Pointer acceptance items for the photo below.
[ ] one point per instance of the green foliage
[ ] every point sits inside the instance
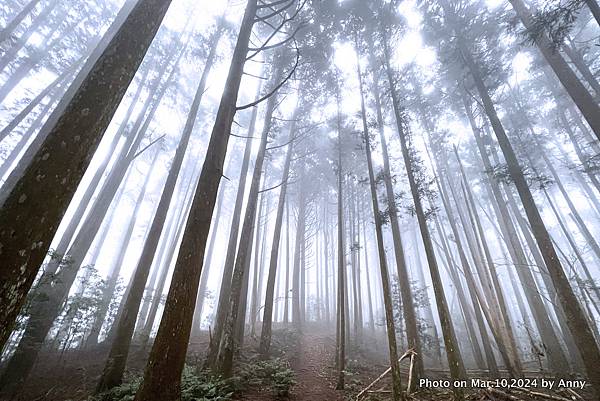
(200, 386)
(124, 392)
(556, 19)
(273, 373)
(195, 386)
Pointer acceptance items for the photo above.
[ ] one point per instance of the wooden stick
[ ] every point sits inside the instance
(501, 394)
(408, 353)
(410, 373)
(543, 395)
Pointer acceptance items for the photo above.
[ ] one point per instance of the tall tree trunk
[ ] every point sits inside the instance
(57, 291)
(222, 304)
(412, 333)
(162, 376)
(341, 259)
(387, 297)
(267, 321)
(576, 320)
(201, 299)
(171, 242)
(455, 363)
(117, 358)
(63, 158)
(584, 101)
(556, 356)
(224, 361)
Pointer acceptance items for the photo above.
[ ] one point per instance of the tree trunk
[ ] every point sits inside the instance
(387, 298)
(455, 363)
(117, 358)
(341, 260)
(267, 322)
(222, 305)
(199, 309)
(224, 361)
(63, 158)
(576, 320)
(412, 333)
(584, 101)
(162, 376)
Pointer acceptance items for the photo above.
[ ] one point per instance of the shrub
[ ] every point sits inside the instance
(273, 373)
(195, 386)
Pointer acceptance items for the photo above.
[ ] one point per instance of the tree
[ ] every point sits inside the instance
(58, 166)
(162, 376)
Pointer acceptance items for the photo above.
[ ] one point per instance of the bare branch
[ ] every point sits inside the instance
(272, 188)
(275, 12)
(254, 76)
(147, 146)
(268, 95)
(271, 5)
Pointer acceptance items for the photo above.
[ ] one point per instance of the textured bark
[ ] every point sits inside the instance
(265, 334)
(201, 298)
(162, 376)
(57, 113)
(45, 313)
(40, 196)
(584, 101)
(115, 364)
(222, 306)
(387, 296)
(455, 363)
(45, 306)
(224, 361)
(576, 320)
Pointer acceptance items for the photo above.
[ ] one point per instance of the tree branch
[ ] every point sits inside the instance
(268, 95)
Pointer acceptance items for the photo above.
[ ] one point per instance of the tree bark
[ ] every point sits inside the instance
(117, 358)
(224, 361)
(267, 322)
(387, 298)
(455, 363)
(576, 320)
(584, 101)
(58, 166)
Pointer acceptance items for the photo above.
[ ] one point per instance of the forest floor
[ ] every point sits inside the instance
(310, 355)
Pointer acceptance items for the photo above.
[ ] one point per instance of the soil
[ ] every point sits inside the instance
(314, 371)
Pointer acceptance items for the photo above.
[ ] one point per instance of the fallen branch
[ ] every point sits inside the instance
(410, 353)
(543, 395)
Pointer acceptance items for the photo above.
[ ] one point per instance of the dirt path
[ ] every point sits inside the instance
(312, 364)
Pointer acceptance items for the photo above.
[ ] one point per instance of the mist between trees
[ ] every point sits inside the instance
(304, 199)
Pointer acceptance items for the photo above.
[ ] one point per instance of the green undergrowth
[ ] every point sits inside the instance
(195, 386)
(273, 375)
